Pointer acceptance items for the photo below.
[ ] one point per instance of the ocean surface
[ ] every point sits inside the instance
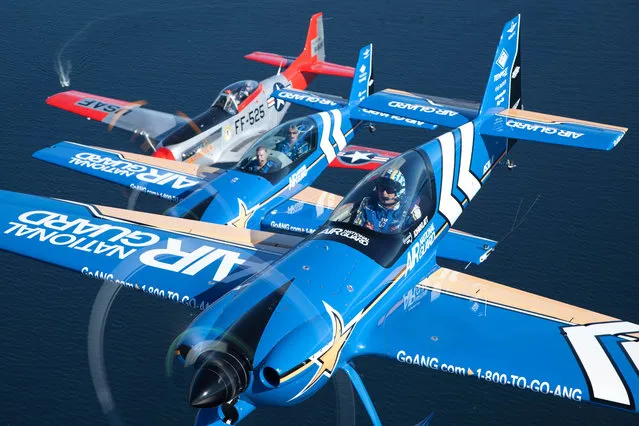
(578, 244)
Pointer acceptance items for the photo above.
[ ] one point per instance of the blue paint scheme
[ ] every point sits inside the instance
(296, 217)
(559, 132)
(164, 183)
(312, 100)
(363, 78)
(475, 338)
(80, 238)
(442, 112)
(355, 307)
(388, 118)
(236, 197)
(348, 291)
(465, 247)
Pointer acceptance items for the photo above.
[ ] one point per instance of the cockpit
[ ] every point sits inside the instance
(226, 104)
(384, 214)
(234, 94)
(281, 149)
(392, 199)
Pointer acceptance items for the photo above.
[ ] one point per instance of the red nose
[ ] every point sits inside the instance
(164, 153)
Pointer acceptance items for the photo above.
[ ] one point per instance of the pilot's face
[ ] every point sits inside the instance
(387, 195)
(262, 157)
(292, 135)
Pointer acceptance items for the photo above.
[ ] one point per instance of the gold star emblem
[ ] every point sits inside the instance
(326, 359)
(243, 217)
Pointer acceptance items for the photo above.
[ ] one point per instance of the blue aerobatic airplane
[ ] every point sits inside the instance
(286, 313)
(270, 184)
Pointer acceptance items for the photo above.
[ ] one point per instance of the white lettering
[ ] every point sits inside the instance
(421, 108)
(174, 259)
(128, 169)
(306, 98)
(420, 247)
(296, 177)
(352, 235)
(543, 129)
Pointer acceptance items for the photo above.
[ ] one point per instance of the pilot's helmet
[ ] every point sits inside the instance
(393, 178)
(244, 92)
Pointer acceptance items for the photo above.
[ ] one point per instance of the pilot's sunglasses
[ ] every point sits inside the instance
(388, 188)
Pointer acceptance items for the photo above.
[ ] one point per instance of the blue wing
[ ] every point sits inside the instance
(163, 178)
(179, 259)
(486, 331)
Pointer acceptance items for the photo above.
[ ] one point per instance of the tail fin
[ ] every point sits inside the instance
(311, 60)
(503, 90)
(362, 85)
(502, 110)
(314, 46)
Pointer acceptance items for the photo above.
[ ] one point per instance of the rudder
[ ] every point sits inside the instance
(503, 90)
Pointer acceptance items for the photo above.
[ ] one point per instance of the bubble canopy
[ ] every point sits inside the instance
(287, 145)
(406, 180)
(377, 227)
(232, 95)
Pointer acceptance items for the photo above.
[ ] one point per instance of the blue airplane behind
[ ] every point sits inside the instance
(243, 196)
(358, 285)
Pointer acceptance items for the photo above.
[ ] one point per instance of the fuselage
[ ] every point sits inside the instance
(220, 135)
(329, 295)
(245, 199)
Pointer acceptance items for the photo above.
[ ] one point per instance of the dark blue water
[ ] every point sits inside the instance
(579, 243)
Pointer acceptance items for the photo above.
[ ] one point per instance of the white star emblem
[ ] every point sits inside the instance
(357, 156)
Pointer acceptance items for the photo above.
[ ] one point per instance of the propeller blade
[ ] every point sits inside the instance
(120, 113)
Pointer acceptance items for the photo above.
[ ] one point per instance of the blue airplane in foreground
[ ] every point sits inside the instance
(310, 307)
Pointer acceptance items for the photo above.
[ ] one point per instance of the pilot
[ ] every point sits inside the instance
(261, 164)
(243, 94)
(292, 146)
(383, 210)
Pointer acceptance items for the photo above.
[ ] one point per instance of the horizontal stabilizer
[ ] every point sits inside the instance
(316, 67)
(430, 109)
(313, 100)
(537, 127)
(124, 115)
(166, 179)
(365, 114)
(362, 158)
(464, 247)
(182, 260)
(271, 59)
(328, 68)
